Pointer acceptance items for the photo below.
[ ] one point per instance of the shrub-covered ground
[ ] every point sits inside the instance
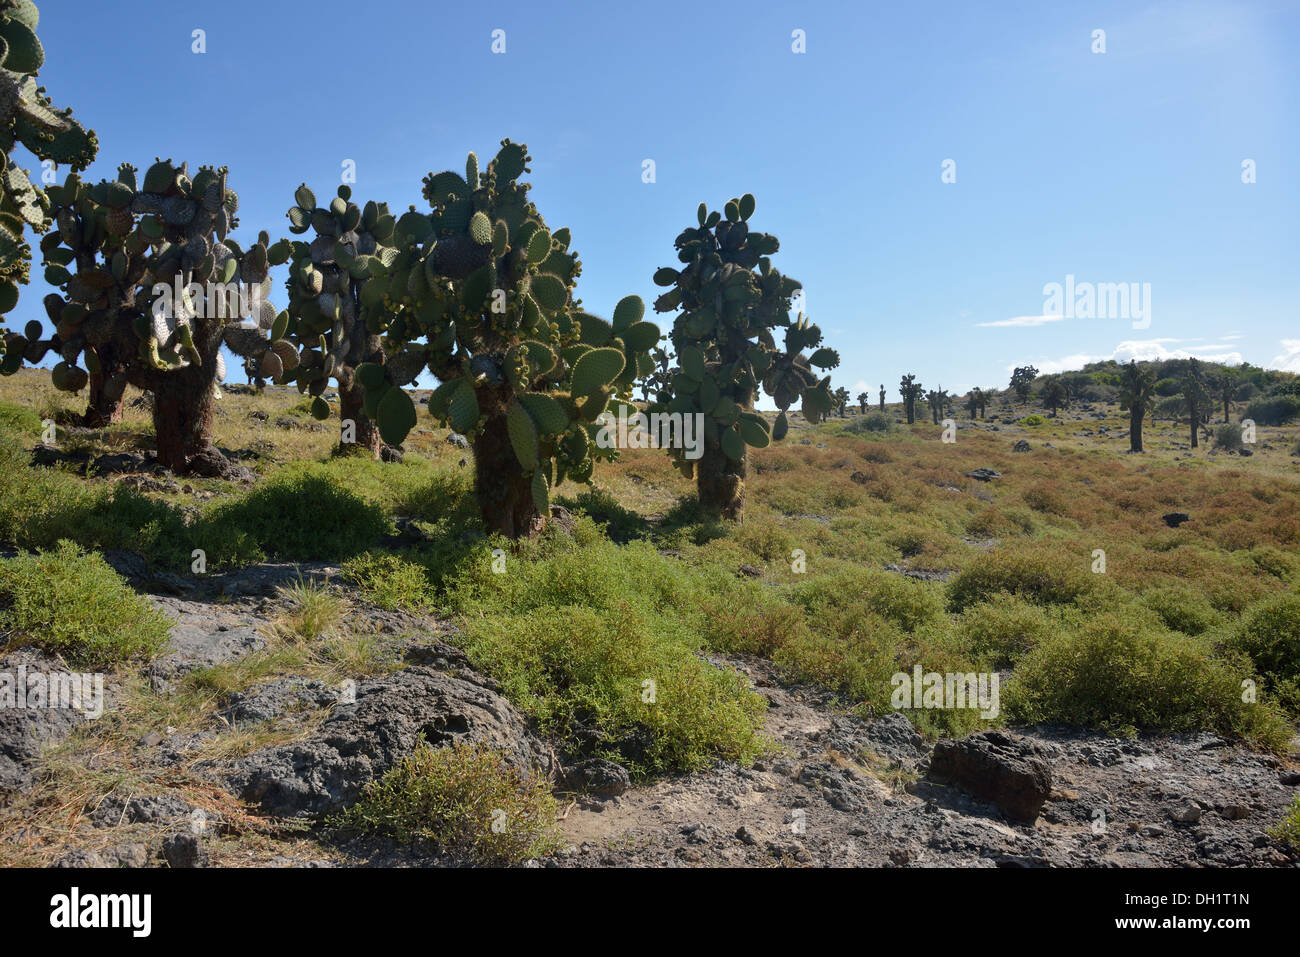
(866, 550)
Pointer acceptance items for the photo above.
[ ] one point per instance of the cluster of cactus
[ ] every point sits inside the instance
(28, 117)
(729, 300)
(976, 403)
(938, 402)
(112, 246)
(911, 391)
(338, 309)
(482, 291)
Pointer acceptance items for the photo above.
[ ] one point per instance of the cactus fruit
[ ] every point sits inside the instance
(729, 300)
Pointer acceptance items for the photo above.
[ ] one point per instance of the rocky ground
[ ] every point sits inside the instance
(835, 790)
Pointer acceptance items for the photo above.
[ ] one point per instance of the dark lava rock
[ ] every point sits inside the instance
(1174, 519)
(1020, 446)
(598, 776)
(274, 699)
(457, 440)
(997, 766)
(123, 855)
(151, 809)
(984, 475)
(26, 731)
(362, 740)
(184, 850)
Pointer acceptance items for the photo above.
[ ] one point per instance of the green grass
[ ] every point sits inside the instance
(464, 799)
(390, 581)
(1287, 830)
(69, 602)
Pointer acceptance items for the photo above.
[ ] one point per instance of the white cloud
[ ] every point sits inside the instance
(1289, 360)
(1020, 322)
(1148, 350)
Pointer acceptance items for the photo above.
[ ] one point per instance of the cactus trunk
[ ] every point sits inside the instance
(105, 401)
(351, 397)
(183, 410)
(720, 483)
(504, 492)
(1135, 429)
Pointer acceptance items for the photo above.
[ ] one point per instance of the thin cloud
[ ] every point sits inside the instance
(1020, 322)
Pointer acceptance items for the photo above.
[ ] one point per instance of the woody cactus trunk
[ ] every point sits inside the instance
(152, 287)
(482, 291)
(729, 300)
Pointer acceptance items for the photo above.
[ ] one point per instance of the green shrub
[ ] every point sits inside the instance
(1032, 419)
(465, 799)
(575, 668)
(389, 581)
(897, 598)
(1004, 628)
(1228, 436)
(1182, 609)
(620, 524)
(19, 420)
(871, 422)
(1269, 634)
(70, 602)
(298, 514)
(1118, 676)
(1040, 575)
(1287, 830)
(1273, 409)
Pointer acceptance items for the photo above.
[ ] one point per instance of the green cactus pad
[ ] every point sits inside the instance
(395, 416)
(732, 444)
(480, 229)
(523, 436)
(596, 369)
(320, 409)
(546, 413)
(630, 310)
(780, 427)
(753, 429)
(541, 493)
(462, 406)
(370, 375)
(747, 204)
(539, 246)
(691, 359)
(549, 292)
(641, 336)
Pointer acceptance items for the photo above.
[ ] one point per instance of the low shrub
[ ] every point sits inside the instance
(1115, 675)
(1040, 575)
(463, 798)
(69, 602)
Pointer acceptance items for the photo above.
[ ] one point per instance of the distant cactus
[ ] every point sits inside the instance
(976, 402)
(882, 397)
(120, 252)
(1053, 395)
(863, 398)
(27, 117)
(729, 300)
(911, 390)
(841, 396)
(1196, 396)
(1137, 395)
(481, 290)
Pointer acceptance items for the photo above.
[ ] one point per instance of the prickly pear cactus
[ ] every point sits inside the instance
(484, 289)
(729, 302)
(336, 312)
(27, 117)
(152, 286)
(911, 391)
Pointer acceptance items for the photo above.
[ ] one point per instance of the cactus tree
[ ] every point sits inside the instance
(336, 307)
(483, 291)
(152, 288)
(27, 117)
(1137, 395)
(729, 301)
(911, 391)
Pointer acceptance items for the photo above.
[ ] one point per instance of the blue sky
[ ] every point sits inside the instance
(1115, 167)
